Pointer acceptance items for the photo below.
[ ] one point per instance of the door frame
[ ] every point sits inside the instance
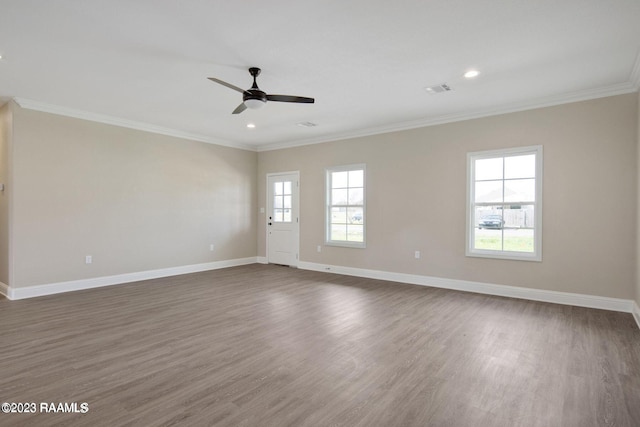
(296, 205)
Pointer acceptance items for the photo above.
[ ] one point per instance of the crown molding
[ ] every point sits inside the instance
(630, 86)
(131, 124)
(550, 101)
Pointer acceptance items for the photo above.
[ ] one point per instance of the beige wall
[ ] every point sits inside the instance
(5, 176)
(135, 201)
(416, 197)
(638, 224)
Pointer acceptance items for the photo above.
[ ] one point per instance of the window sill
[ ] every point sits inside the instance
(354, 245)
(513, 256)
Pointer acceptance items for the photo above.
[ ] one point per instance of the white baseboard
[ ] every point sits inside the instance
(566, 298)
(636, 313)
(590, 301)
(14, 293)
(263, 260)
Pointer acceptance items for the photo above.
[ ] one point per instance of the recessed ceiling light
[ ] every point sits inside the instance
(251, 125)
(471, 74)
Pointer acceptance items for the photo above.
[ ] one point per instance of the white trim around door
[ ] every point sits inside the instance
(282, 219)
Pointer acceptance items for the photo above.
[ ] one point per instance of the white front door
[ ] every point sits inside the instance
(282, 218)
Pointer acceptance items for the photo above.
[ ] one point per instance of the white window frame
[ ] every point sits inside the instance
(328, 206)
(536, 255)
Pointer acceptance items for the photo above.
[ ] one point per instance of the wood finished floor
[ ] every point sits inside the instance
(273, 346)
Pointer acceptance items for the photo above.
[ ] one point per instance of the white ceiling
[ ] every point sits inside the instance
(145, 63)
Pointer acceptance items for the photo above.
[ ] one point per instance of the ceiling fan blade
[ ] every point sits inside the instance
(239, 109)
(289, 98)
(229, 85)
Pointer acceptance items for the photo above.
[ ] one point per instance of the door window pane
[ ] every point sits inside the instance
(282, 200)
(286, 202)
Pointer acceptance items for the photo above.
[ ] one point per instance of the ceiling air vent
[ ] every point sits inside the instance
(307, 124)
(442, 87)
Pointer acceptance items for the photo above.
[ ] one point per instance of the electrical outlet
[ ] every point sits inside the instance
(417, 254)
(319, 248)
(88, 259)
(211, 247)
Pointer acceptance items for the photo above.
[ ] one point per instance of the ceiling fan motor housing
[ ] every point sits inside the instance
(254, 98)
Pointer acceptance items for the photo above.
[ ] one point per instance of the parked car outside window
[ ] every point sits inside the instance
(491, 221)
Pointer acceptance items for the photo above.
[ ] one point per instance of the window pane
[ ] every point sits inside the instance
(520, 190)
(287, 187)
(277, 202)
(488, 239)
(286, 202)
(520, 216)
(488, 191)
(356, 178)
(356, 196)
(354, 215)
(520, 166)
(339, 197)
(277, 188)
(518, 240)
(489, 217)
(278, 215)
(508, 229)
(339, 179)
(338, 232)
(338, 215)
(355, 233)
(488, 228)
(488, 169)
(287, 215)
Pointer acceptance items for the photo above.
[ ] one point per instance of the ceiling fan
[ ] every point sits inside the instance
(255, 98)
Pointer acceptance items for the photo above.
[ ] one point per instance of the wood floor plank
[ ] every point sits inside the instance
(272, 346)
